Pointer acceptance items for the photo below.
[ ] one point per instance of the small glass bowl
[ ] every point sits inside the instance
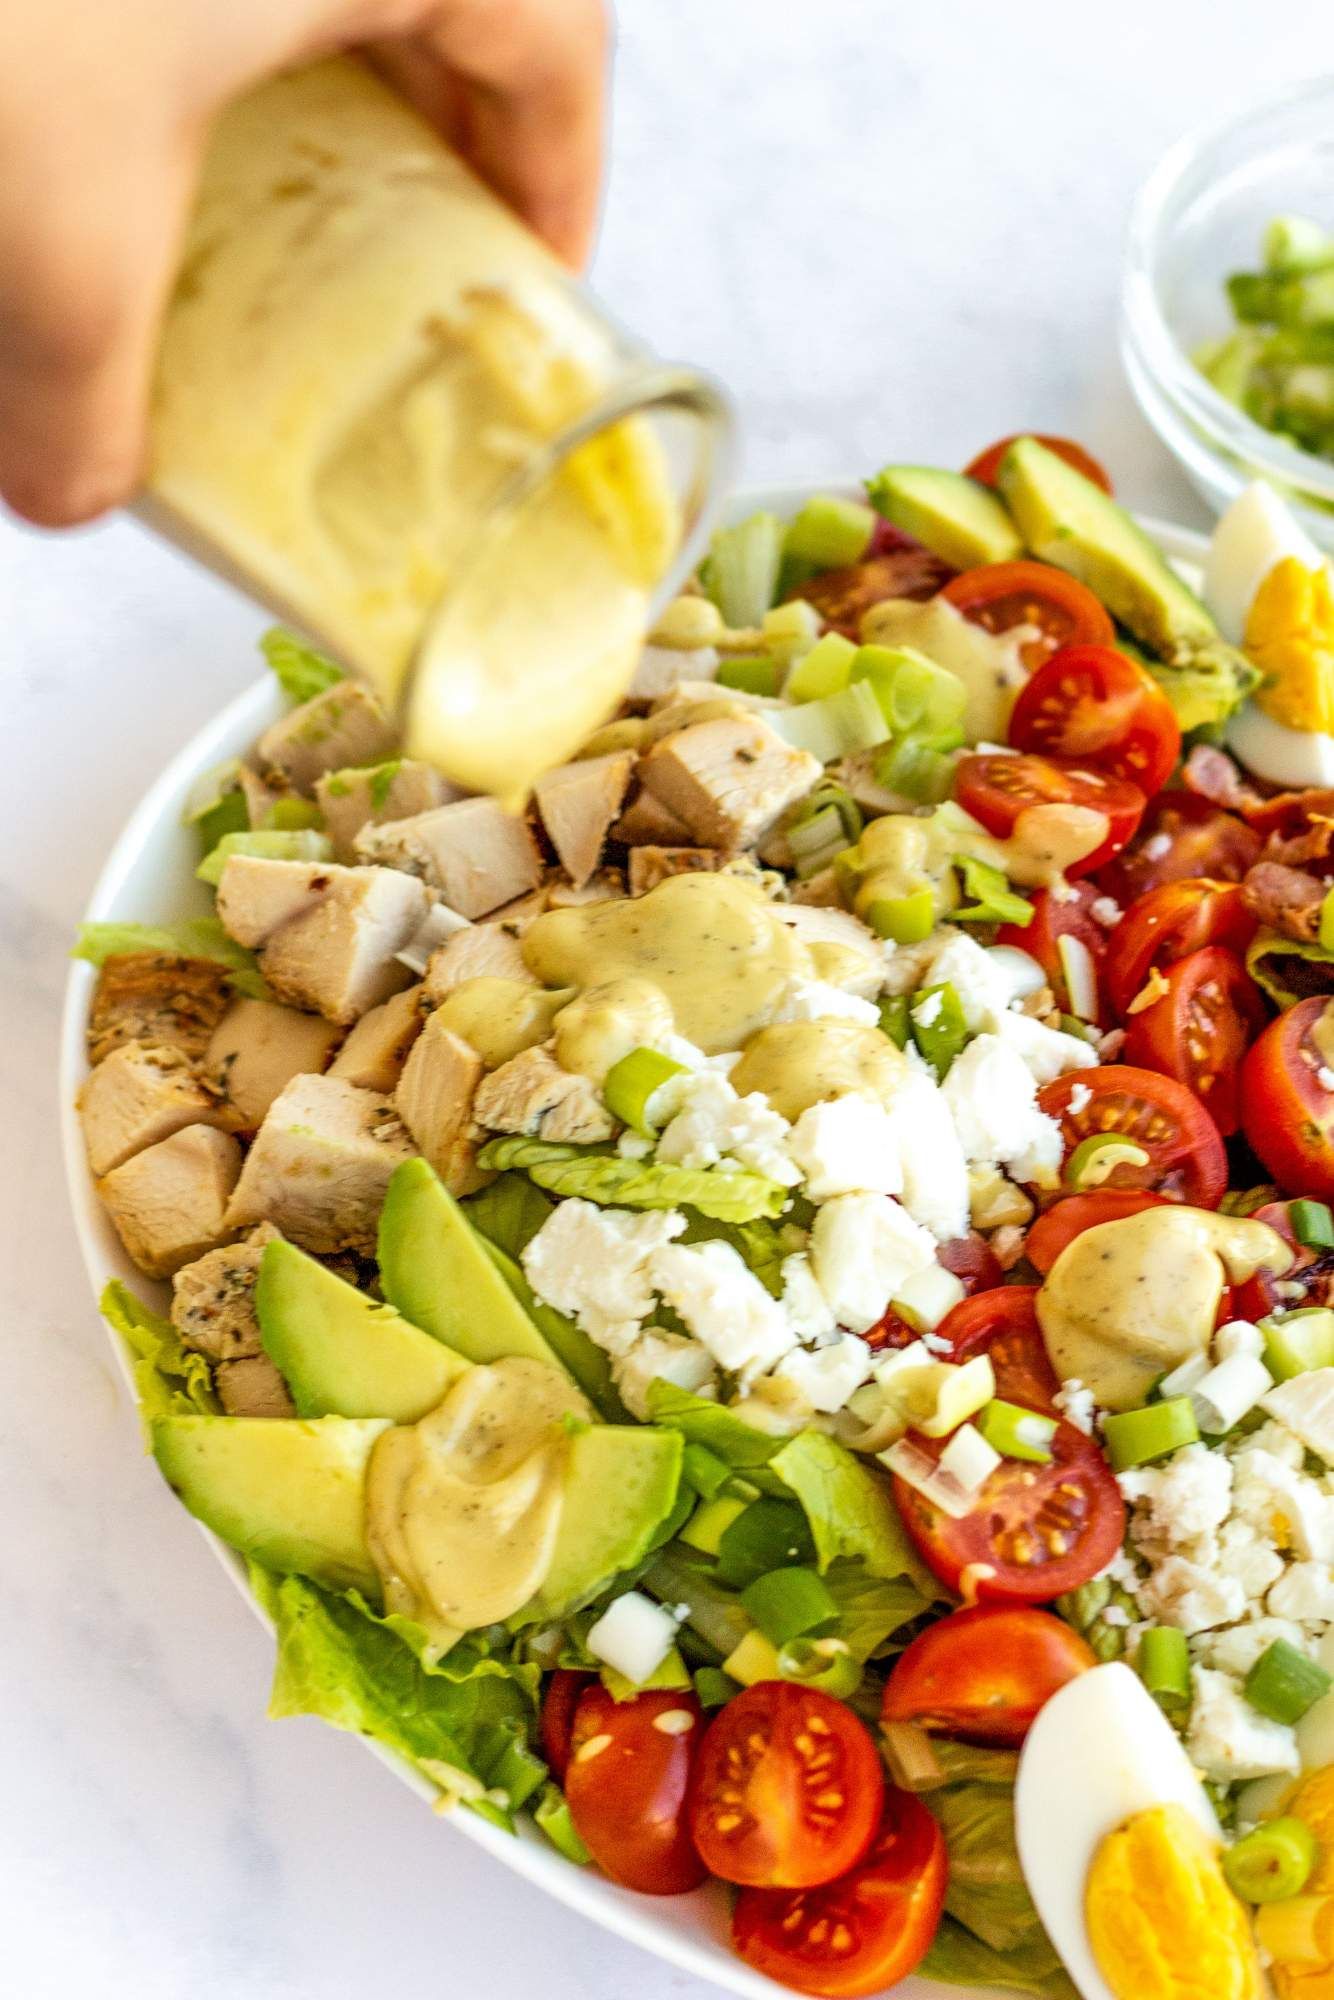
(1201, 215)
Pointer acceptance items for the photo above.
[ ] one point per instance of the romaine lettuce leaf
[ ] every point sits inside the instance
(169, 1379)
(299, 669)
(268, 844)
(737, 1443)
(728, 1194)
(957, 1958)
(871, 1609)
(508, 1213)
(761, 1245)
(1289, 969)
(190, 937)
(850, 1509)
(553, 1818)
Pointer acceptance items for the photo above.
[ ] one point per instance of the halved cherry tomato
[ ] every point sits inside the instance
(1059, 1225)
(1311, 1271)
(1286, 1112)
(1200, 1029)
(1168, 923)
(558, 1705)
(627, 1782)
(1004, 1325)
(1187, 1161)
(973, 1262)
(997, 788)
(987, 463)
(984, 1673)
(843, 596)
(787, 1790)
(863, 1933)
(1094, 704)
(1052, 920)
(1181, 834)
(1061, 610)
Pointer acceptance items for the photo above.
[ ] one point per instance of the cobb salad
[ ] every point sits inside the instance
(774, 1313)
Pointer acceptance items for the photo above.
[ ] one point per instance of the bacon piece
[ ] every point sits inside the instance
(1314, 845)
(1289, 813)
(1211, 774)
(1286, 899)
(841, 596)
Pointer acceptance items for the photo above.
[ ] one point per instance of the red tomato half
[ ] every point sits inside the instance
(1186, 1160)
(1200, 1029)
(1094, 704)
(996, 789)
(1059, 1225)
(1286, 1112)
(558, 1705)
(1167, 923)
(627, 1783)
(1061, 610)
(1052, 920)
(973, 1262)
(787, 1790)
(987, 463)
(984, 1673)
(1181, 834)
(1311, 1270)
(864, 1932)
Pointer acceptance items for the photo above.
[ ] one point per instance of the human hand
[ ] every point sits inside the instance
(104, 113)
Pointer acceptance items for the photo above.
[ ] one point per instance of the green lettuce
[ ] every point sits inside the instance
(720, 1431)
(169, 1379)
(678, 1575)
(871, 1609)
(583, 1357)
(1289, 969)
(508, 1213)
(299, 669)
(552, 1814)
(190, 937)
(761, 1245)
(957, 1958)
(266, 843)
(850, 1509)
(729, 1195)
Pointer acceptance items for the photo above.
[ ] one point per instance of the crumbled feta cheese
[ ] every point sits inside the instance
(1305, 1405)
(634, 1636)
(1245, 1555)
(807, 1308)
(935, 1173)
(1305, 1591)
(1183, 1593)
(1236, 1651)
(1079, 1100)
(1176, 1504)
(714, 1124)
(633, 1146)
(1106, 911)
(817, 1000)
(1045, 1052)
(862, 1248)
(1238, 1336)
(1076, 1405)
(984, 988)
(927, 1011)
(1278, 1442)
(847, 1145)
(993, 1101)
(1021, 972)
(1157, 846)
(592, 1263)
(1286, 1506)
(827, 1376)
(723, 1304)
(662, 1357)
(1228, 1739)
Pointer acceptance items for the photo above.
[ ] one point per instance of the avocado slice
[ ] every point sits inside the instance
(580, 1356)
(957, 518)
(345, 1355)
(289, 1492)
(435, 1269)
(621, 1485)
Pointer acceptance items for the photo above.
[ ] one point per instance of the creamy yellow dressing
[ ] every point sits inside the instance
(901, 852)
(800, 1063)
(990, 664)
(463, 1508)
(1129, 1300)
(605, 1022)
(500, 1017)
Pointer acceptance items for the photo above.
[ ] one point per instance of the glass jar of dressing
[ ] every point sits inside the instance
(384, 408)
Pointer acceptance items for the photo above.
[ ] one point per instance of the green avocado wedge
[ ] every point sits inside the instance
(343, 1354)
(621, 1485)
(957, 518)
(287, 1491)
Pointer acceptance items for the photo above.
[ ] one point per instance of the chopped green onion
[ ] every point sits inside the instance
(631, 1084)
(1084, 1031)
(790, 630)
(740, 572)
(769, 1534)
(905, 919)
(827, 793)
(1016, 1432)
(994, 901)
(922, 772)
(1312, 1224)
(1094, 1159)
(836, 726)
(912, 690)
(703, 1470)
(264, 845)
(824, 670)
(787, 1603)
(552, 1814)
(714, 1688)
(1284, 1683)
(1272, 1862)
(830, 532)
(894, 1020)
(827, 1664)
(301, 671)
(753, 673)
(1296, 1342)
(710, 1521)
(938, 1027)
(1137, 1437)
(815, 841)
(1163, 1664)
(292, 815)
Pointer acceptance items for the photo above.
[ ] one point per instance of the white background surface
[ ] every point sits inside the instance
(894, 232)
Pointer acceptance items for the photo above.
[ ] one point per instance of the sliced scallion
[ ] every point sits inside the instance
(1296, 1342)
(1137, 1437)
(913, 691)
(1312, 1224)
(1094, 1159)
(824, 670)
(918, 771)
(1163, 1664)
(753, 673)
(1016, 1432)
(836, 726)
(993, 900)
(713, 1687)
(905, 919)
(938, 1027)
(788, 1603)
(1273, 1861)
(632, 1083)
(828, 1664)
(894, 1019)
(740, 572)
(1284, 1683)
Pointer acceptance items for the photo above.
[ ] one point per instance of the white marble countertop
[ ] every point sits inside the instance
(895, 232)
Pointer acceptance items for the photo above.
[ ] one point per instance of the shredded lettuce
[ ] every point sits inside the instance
(169, 1379)
(190, 937)
(300, 670)
(850, 1509)
(729, 1195)
(871, 1609)
(737, 1443)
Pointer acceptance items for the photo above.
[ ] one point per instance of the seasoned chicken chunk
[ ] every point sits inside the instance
(577, 804)
(662, 669)
(320, 1165)
(157, 997)
(532, 1094)
(252, 1388)
(846, 951)
(483, 951)
(729, 779)
(351, 799)
(327, 936)
(346, 724)
(435, 1101)
(169, 1202)
(651, 865)
(138, 1096)
(256, 1050)
(374, 1053)
(478, 855)
(647, 822)
(213, 1299)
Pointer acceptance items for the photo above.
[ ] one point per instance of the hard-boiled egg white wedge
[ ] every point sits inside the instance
(1255, 534)
(1290, 757)
(1100, 1752)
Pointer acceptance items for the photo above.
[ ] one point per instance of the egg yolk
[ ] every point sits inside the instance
(1290, 637)
(1161, 1919)
(1299, 1935)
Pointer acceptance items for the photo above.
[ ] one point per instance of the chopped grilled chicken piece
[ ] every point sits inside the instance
(213, 1299)
(532, 1094)
(259, 797)
(320, 1165)
(374, 1053)
(139, 1095)
(169, 1203)
(857, 776)
(478, 855)
(729, 779)
(256, 1050)
(483, 951)
(661, 669)
(578, 803)
(651, 865)
(346, 724)
(252, 1388)
(607, 886)
(353, 799)
(157, 997)
(327, 935)
(647, 822)
(819, 892)
(435, 1101)
(846, 951)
